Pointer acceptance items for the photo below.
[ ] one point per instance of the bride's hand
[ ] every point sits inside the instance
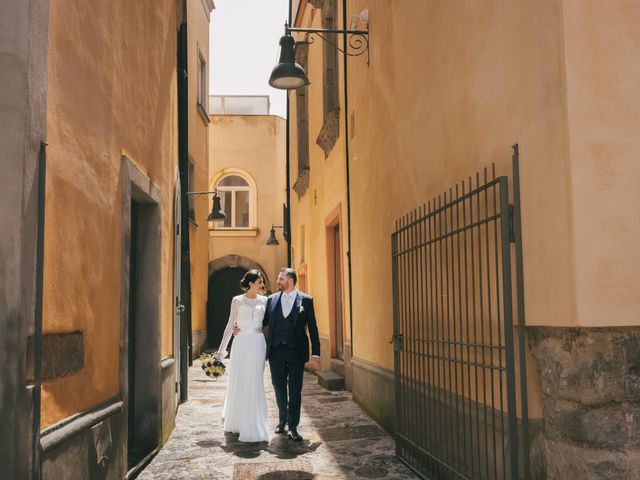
(236, 330)
(221, 355)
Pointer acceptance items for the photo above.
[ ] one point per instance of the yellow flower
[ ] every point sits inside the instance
(212, 366)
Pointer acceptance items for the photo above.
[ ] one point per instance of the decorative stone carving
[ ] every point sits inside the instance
(329, 133)
(302, 183)
(302, 125)
(590, 380)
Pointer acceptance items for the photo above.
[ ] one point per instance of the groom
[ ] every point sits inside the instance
(288, 315)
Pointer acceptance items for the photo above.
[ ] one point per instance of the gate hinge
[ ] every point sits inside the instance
(512, 230)
(398, 342)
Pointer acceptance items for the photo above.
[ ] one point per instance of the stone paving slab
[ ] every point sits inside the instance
(340, 440)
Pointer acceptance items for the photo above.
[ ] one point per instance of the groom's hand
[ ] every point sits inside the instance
(315, 361)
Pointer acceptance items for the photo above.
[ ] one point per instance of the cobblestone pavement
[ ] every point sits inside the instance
(340, 440)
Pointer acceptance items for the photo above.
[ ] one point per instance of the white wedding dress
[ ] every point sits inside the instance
(245, 405)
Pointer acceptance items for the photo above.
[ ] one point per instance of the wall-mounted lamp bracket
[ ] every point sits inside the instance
(272, 236)
(216, 211)
(289, 75)
(215, 192)
(357, 40)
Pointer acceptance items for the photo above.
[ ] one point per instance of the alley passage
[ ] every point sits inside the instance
(340, 440)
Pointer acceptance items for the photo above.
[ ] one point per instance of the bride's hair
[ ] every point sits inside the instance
(250, 277)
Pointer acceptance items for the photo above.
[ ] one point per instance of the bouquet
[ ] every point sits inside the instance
(212, 365)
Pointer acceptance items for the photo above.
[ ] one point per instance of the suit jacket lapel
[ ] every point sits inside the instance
(274, 305)
(296, 309)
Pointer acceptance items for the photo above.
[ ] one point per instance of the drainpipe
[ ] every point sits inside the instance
(37, 334)
(287, 220)
(346, 161)
(183, 167)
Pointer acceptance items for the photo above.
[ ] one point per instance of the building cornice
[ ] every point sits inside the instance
(208, 6)
(300, 19)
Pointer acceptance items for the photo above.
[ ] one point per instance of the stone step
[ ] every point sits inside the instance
(330, 380)
(337, 366)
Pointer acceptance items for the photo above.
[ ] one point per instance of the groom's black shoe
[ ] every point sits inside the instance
(294, 435)
(280, 428)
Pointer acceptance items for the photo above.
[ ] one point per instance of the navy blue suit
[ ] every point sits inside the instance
(288, 351)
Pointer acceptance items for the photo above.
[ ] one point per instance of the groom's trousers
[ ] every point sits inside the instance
(287, 371)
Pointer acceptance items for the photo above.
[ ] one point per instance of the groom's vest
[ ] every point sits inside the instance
(283, 331)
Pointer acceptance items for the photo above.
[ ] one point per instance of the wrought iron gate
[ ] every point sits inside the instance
(455, 340)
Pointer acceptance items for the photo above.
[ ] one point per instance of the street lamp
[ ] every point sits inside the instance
(273, 241)
(216, 211)
(272, 236)
(289, 75)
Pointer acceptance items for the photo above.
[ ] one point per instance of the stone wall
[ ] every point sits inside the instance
(590, 380)
(24, 43)
(90, 445)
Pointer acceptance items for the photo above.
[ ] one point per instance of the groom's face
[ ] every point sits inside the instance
(283, 282)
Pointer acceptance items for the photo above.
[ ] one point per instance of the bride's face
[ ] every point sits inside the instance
(257, 286)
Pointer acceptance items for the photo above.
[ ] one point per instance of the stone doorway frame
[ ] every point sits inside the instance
(236, 261)
(137, 187)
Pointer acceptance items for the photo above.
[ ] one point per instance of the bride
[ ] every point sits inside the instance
(245, 405)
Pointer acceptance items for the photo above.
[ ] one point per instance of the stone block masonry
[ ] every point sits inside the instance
(590, 379)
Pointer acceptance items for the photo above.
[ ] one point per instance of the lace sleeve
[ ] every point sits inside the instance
(233, 316)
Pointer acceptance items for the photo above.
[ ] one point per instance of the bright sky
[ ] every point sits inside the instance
(244, 37)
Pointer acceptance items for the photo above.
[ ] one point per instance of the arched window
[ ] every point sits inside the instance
(236, 201)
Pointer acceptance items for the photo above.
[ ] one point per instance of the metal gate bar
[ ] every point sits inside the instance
(454, 349)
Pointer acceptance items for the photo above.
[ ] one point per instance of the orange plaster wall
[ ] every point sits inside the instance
(112, 92)
(198, 33)
(601, 42)
(440, 102)
(448, 94)
(449, 88)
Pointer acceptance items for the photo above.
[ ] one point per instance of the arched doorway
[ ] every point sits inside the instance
(223, 286)
(225, 274)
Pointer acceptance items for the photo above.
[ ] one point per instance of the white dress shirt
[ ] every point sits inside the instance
(287, 300)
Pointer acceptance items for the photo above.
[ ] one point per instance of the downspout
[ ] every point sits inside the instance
(346, 161)
(287, 220)
(183, 167)
(37, 334)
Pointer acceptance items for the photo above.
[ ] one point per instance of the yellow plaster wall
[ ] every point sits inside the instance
(112, 92)
(601, 41)
(255, 145)
(198, 40)
(445, 96)
(326, 192)
(473, 80)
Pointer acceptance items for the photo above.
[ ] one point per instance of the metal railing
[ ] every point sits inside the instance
(454, 339)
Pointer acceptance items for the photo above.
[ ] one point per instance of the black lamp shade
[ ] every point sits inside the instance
(216, 212)
(272, 238)
(288, 75)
